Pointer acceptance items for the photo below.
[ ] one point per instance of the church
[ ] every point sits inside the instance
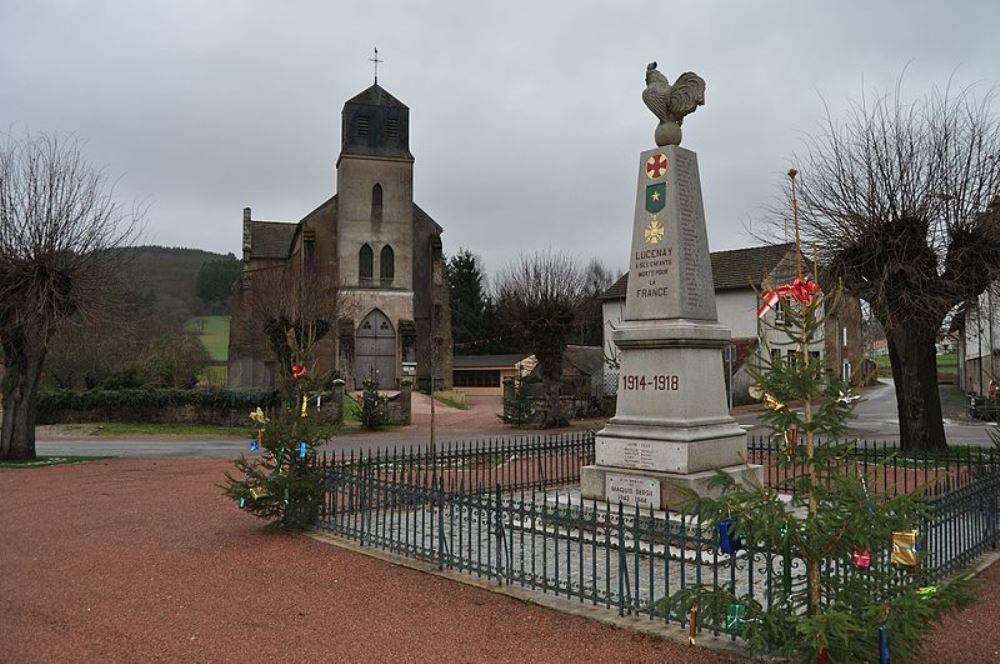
(368, 257)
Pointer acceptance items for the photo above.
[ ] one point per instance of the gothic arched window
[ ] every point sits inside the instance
(365, 261)
(386, 265)
(377, 203)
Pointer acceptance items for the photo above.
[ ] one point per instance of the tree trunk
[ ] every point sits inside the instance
(550, 368)
(22, 374)
(913, 356)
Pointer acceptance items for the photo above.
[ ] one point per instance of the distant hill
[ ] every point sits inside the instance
(170, 273)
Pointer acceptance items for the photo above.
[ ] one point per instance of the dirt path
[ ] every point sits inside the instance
(144, 560)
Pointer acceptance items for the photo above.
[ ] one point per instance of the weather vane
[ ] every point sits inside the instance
(376, 61)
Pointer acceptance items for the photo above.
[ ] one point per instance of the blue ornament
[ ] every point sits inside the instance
(303, 449)
(883, 645)
(729, 543)
(254, 445)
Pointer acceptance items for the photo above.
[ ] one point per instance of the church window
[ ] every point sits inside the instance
(365, 261)
(377, 204)
(387, 265)
(364, 123)
(392, 129)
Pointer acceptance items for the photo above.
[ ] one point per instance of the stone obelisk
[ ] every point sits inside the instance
(672, 430)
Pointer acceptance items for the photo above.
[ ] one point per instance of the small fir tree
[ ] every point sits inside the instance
(374, 405)
(280, 482)
(858, 601)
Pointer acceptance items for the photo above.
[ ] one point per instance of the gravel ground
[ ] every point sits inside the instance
(144, 560)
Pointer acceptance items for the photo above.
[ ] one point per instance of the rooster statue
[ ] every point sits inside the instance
(670, 103)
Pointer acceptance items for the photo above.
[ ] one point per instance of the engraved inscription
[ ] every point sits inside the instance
(631, 490)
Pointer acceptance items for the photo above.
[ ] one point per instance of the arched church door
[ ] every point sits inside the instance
(376, 351)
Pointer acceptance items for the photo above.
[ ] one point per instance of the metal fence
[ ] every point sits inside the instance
(494, 509)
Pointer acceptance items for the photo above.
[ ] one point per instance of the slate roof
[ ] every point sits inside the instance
(376, 96)
(271, 239)
(420, 215)
(588, 360)
(737, 268)
(484, 361)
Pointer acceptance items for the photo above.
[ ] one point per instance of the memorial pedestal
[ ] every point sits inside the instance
(672, 430)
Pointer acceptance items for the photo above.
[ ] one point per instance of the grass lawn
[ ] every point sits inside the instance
(440, 398)
(155, 429)
(41, 461)
(214, 334)
(946, 364)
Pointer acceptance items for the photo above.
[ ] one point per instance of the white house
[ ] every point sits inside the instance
(738, 276)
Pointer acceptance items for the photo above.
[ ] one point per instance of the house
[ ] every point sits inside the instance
(738, 276)
(977, 325)
(483, 375)
(370, 246)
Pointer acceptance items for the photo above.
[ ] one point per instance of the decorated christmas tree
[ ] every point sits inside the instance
(861, 598)
(279, 481)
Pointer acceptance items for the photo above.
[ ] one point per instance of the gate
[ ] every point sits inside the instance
(375, 350)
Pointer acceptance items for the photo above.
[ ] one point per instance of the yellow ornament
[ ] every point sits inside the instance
(305, 405)
(772, 403)
(258, 492)
(258, 416)
(904, 548)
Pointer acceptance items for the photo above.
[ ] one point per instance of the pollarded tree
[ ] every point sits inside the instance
(543, 295)
(902, 202)
(60, 227)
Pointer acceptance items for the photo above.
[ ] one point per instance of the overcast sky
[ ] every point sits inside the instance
(526, 118)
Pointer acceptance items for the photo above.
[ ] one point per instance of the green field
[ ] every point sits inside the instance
(946, 364)
(214, 334)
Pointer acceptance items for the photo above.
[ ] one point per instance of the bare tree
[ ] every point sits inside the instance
(280, 302)
(902, 202)
(60, 227)
(543, 294)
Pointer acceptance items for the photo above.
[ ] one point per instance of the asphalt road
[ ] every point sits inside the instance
(875, 419)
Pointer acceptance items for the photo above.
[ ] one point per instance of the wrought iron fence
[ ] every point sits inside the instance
(494, 509)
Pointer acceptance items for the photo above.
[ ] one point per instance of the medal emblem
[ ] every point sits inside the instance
(656, 166)
(654, 231)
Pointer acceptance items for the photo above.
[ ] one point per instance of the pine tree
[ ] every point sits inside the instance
(859, 594)
(374, 406)
(280, 482)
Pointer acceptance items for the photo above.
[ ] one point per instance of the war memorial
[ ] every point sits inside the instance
(672, 430)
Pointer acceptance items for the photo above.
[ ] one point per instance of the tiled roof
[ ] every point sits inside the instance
(375, 96)
(271, 239)
(737, 268)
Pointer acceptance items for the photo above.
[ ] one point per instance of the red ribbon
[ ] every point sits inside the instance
(298, 371)
(803, 290)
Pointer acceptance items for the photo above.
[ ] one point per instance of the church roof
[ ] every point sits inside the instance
(271, 239)
(737, 268)
(420, 215)
(376, 96)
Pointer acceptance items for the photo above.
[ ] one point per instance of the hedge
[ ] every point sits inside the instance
(151, 404)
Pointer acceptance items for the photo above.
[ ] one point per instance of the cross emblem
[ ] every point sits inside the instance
(656, 166)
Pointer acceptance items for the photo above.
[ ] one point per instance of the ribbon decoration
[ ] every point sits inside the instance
(823, 656)
(258, 492)
(883, 645)
(802, 290)
(693, 624)
(736, 617)
(258, 416)
(791, 440)
(868, 496)
(729, 543)
(771, 402)
(243, 502)
(305, 404)
(254, 445)
(904, 548)
(303, 449)
(279, 459)
(298, 371)
(862, 559)
(926, 591)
